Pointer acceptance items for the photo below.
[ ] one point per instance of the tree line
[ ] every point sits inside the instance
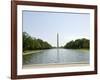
(31, 43)
(78, 44)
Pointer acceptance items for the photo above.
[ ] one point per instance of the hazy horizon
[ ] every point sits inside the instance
(46, 25)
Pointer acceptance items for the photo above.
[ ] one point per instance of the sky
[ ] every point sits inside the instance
(46, 25)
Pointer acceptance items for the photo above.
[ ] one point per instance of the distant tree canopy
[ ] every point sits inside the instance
(30, 43)
(78, 44)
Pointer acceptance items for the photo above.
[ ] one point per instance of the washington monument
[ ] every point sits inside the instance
(57, 40)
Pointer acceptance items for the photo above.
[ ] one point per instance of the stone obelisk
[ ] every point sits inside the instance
(57, 40)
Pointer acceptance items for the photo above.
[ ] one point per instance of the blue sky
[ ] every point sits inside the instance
(46, 25)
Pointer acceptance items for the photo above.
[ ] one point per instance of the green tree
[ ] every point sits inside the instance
(78, 44)
(30, 43)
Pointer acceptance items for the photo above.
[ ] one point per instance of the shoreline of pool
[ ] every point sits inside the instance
(31, 52)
